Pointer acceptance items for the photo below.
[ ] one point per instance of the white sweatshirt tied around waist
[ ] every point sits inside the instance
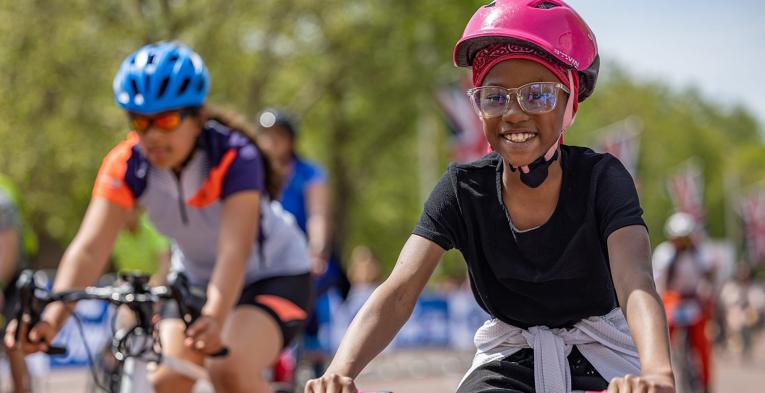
(605, 341)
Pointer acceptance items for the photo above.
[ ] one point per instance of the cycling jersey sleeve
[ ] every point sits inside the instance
(440, 220)
(116, 180)
(246, 173)
(616, 201)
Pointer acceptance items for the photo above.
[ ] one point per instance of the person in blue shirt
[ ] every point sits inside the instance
(305, 194)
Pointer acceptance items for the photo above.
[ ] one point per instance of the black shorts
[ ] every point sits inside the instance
(515, 374)
(288, 299)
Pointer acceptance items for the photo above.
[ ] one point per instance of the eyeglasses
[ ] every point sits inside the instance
(165, 121)
(533, 98)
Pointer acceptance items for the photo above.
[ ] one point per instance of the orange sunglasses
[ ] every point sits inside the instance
(165, 121)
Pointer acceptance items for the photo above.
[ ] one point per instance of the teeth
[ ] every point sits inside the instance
(519, 137)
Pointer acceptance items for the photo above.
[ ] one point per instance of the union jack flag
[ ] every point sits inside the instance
(752, 210)
(468, 143)
(622, 140)
(686, 188)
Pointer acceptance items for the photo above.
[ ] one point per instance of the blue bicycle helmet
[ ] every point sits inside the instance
(161, 77)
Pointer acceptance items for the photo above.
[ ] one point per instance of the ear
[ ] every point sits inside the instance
(200, 118)
(203, 115)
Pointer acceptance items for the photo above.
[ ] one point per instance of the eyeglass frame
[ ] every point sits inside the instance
(518, 98)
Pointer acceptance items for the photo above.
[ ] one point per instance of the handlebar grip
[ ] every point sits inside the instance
(223, 351)
(56, 350)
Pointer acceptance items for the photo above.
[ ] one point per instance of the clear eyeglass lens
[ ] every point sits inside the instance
(491, 101)
(538, 97)
(534, 98)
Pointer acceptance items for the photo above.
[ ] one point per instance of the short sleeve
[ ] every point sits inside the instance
(246, 172)
(616, 202)
(112, 181)
(441, 221)
(315, 174)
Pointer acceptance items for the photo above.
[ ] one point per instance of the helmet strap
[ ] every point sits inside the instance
(534, 174)
(569, 116)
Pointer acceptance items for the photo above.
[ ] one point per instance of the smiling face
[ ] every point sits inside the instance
(169, 149)
(520, 137)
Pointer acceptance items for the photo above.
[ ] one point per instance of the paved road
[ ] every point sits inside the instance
(434, 370)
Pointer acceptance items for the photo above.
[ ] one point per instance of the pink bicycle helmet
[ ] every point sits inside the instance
(550, 25)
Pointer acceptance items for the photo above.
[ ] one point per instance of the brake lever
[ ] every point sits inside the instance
(180, 290)
(31, 306)
(34, 319)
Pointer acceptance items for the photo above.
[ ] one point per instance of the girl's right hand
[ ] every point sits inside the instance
(39, 337)
(331, 383)
(657, 383)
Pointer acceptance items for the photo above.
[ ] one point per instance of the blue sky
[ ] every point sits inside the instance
(717, 46)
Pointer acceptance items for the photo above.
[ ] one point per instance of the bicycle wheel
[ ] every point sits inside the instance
(685, 363)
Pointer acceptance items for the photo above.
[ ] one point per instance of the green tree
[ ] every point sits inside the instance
(360, 74)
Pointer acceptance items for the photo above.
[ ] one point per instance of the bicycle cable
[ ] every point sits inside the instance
(91, 361)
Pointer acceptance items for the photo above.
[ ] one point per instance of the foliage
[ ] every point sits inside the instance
(676, 126)
(360, 74)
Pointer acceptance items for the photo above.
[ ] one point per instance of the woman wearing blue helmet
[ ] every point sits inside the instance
(207, 187)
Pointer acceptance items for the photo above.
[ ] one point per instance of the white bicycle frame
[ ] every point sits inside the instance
(135, 373)
(135, 369)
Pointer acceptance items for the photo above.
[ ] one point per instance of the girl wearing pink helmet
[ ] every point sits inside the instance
(553, 235)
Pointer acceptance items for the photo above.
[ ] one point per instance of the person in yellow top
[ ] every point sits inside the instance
(140, 248)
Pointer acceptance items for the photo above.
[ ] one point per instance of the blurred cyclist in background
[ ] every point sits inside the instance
(207, 187)
(743, 301)
(305, 194)
(684, 278)
(553, 235)
(139, 248)
(12, 261)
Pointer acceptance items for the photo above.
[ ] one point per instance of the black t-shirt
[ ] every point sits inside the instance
(552, 275)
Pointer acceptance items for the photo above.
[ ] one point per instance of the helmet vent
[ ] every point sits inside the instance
(150, 60)
(163, 87)
(492, 4)
(546, 5)
(134, 85)
(173, 59)
(184, 85)
(200, 85)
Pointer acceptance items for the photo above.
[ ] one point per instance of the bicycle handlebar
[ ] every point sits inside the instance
(135, 293)
(31, 305)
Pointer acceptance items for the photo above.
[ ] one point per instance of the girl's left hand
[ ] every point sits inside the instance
(648, 383)
(204, 335)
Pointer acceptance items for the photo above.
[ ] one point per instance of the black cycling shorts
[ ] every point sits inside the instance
(515, 374)
(288, 299)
